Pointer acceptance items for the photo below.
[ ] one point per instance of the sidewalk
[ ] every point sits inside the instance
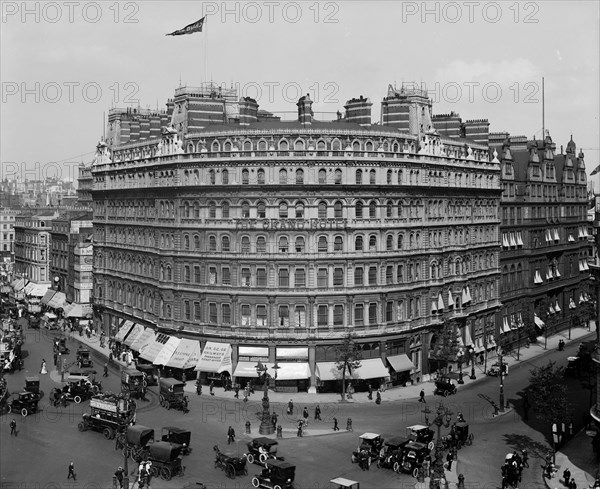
(576, 455)
(392, 394)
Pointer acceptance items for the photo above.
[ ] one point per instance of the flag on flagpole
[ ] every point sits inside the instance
(596, 170)
(189, 29)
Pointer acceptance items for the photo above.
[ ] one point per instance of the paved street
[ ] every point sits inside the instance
(51, 438)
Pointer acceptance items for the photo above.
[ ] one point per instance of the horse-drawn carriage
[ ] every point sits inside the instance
(232, 466)
(165, 458)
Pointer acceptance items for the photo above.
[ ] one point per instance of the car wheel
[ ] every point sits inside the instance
(255, 482)
(81, 427)
(154, 472)
(24, 412)
(415, 472)
(430, 445)
(262, 458)
(276, 486)
(10, 409)
(446, 393)
(77, 399)
(250, 459)
(108, 433)
(230, 471)
(165, 473)
(396, 467)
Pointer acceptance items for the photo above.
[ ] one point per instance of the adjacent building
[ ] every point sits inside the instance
(279, 238)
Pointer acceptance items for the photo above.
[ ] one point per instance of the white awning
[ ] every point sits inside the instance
(440, 305)
(549, 275)
(468, 340)
(47, 296)
(372, 368)
(151, 351)
(253, 351)
(551, 309)
(539, 323)
(134, 334)
(505, 326)
(479, 345)
(78, 310)
(143, 340)
(450, 299)
(491, 343)
(167, 351)
(464, 296)
(300, 353)
(556, 273)
(36, 290)
(513, 242)
(571, 238)
(245, 369)
(505, 240)
(186, 354)
(585, 265)
(401, 363)
(18, 284)
(520, 322)
(289, 370)
(585, 232)
(548, 236)
(580, 234)
(57, 301)
(556, 236)
(469, 298)
(556, 307)
(215, 358)
(519, 239)
(433, 307)
(123, 330)
(537, 279)
(572, 303)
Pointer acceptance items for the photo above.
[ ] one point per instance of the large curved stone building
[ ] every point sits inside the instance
(278, 238)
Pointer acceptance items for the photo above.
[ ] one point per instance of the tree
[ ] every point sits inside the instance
(348, 357)
(548, 394)
(448, 343)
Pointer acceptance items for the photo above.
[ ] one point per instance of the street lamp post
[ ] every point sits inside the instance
(459, 357)
(472, 354)
(266, 424)
(501, 383)
(443, 416)
(275, 367)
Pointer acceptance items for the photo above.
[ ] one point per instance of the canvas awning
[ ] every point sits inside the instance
(47, 296)
(440, 302)
(253, 351)
(57, 301)
(78, 310)
(123, 330)
(143, 340)
(289, 370)
(215, 357)
(557, 307)
(505, 240)
(134, 334)
(468, 340)
(519, 239)
(245, 369)
(572, 304)
(538, 321)
(153, 349)
(371, 368)
(296, 352)
(401, 363)
(167, 351)
(186, 354)
(18, 284)
(36, 290)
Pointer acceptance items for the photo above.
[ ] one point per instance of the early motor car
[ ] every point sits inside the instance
(390, 453)
(132, 383)
(277, 474)
(413, 456)
(150, 373)
(24, 402)
(369, 447)
(494, 370)
(32, 384)
(165, 458)
(172, 434)
(262, 449)
(172, 395)
(444, 387)
(135, 441)
(231, 464)
(421, 434)
(83, 358)
(109, 414)
(460, 432)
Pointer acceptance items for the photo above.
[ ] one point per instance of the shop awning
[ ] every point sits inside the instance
(78, 310)
(186, 354)
(297, 352)
(479, 345)
(57, 301)
(245, 369)
(123, 330)
(371, 368)
(143, 340)
(167, 351)
(216, 358)
(47, 296)
(289, 370)
(5, 289)
(401, 363)
(153, 349)
(539, 323)
(328, 371)
(36, 290)
(505, 326)
(134, 334)
(18, 284)
(468, 340)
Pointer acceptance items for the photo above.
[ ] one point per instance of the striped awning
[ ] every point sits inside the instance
(47, 296)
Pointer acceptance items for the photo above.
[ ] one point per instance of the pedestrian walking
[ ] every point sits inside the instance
(300, 425)
(378, 398)
(211, 387)
(55, 358)
(317, 413)
(572, 484)
(198, 387)
(335, 425)
(290, 408)
(449, 459)
(105, 374)
(274, 419)
(71, 471)
(567, 476)
(119, 476)
(43, 369)
(230, 435)
(305, 414)
(504, 482)
(370, 392)
(525, 457)
(237, 391)
(422, 396)
(13, 427)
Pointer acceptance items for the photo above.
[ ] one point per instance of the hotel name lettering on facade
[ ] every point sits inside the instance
(296, 224)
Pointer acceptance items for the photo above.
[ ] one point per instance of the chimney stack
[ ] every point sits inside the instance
(358, 110)
(248, 111)
(305, 113)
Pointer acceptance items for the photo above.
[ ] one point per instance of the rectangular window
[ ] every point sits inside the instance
(212, 308)
(261, 316)
(300, 277)
(338, 277)
(187, 274)
(389, 275)
(389, 312)
(322, 281)
(245, 315)
(261, 277)
(187, 310)
(359, 276)
(226, 313)
(197, 316)
(322, 313)
(212, 275)
(284, 277)
(372, 313)
(245, 277)
(359, 314)
(284, 316)
(300, 316)
(196, 274)
(372, 275)
(338, 315)
(226, 276)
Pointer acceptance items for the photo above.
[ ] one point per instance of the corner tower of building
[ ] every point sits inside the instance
(408, 109)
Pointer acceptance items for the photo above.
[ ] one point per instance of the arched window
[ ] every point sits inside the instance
(212, 243)
(358, 243)
(225, 243)
(372, 209)
(322, 210)
(212, 210)
(225, 210)
(389, 242)
(338, 210)
(261, 210)
(196, 242)
(389, 177)
(389, 206)
(283, 210)
(186, 242)
(372, 243)
(261, 244)
(358, 209)
(283, 177)
(322, 175)
(299, 210)
(245, 244)
(196, 210)
(338, 243)
(245, 210)
(338, 176)
(299, 175)
(211, 177)
(283, 244)
(299, 145)
(372, 177)
(245, 177)
(225, 177)
(358, 177)
(300, 244)
(260, 176)
(359, 276)
(322, 244)
(186, 210)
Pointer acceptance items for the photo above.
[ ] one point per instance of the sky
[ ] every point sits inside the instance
(65, 64)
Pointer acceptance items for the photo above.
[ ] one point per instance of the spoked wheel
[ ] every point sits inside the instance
(165, 473)
(77, 399)
(154, 472)
(276, 486)
(230, 471)
(255, 482)
(24, 412)
(415, 472)
(430, 445)
(81, 426)
(446, 393)
(250, 459)
(262, 458)
(396, 467)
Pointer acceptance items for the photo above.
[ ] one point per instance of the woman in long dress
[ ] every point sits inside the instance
(44, 370)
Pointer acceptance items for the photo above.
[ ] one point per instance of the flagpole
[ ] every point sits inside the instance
(205, 43)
